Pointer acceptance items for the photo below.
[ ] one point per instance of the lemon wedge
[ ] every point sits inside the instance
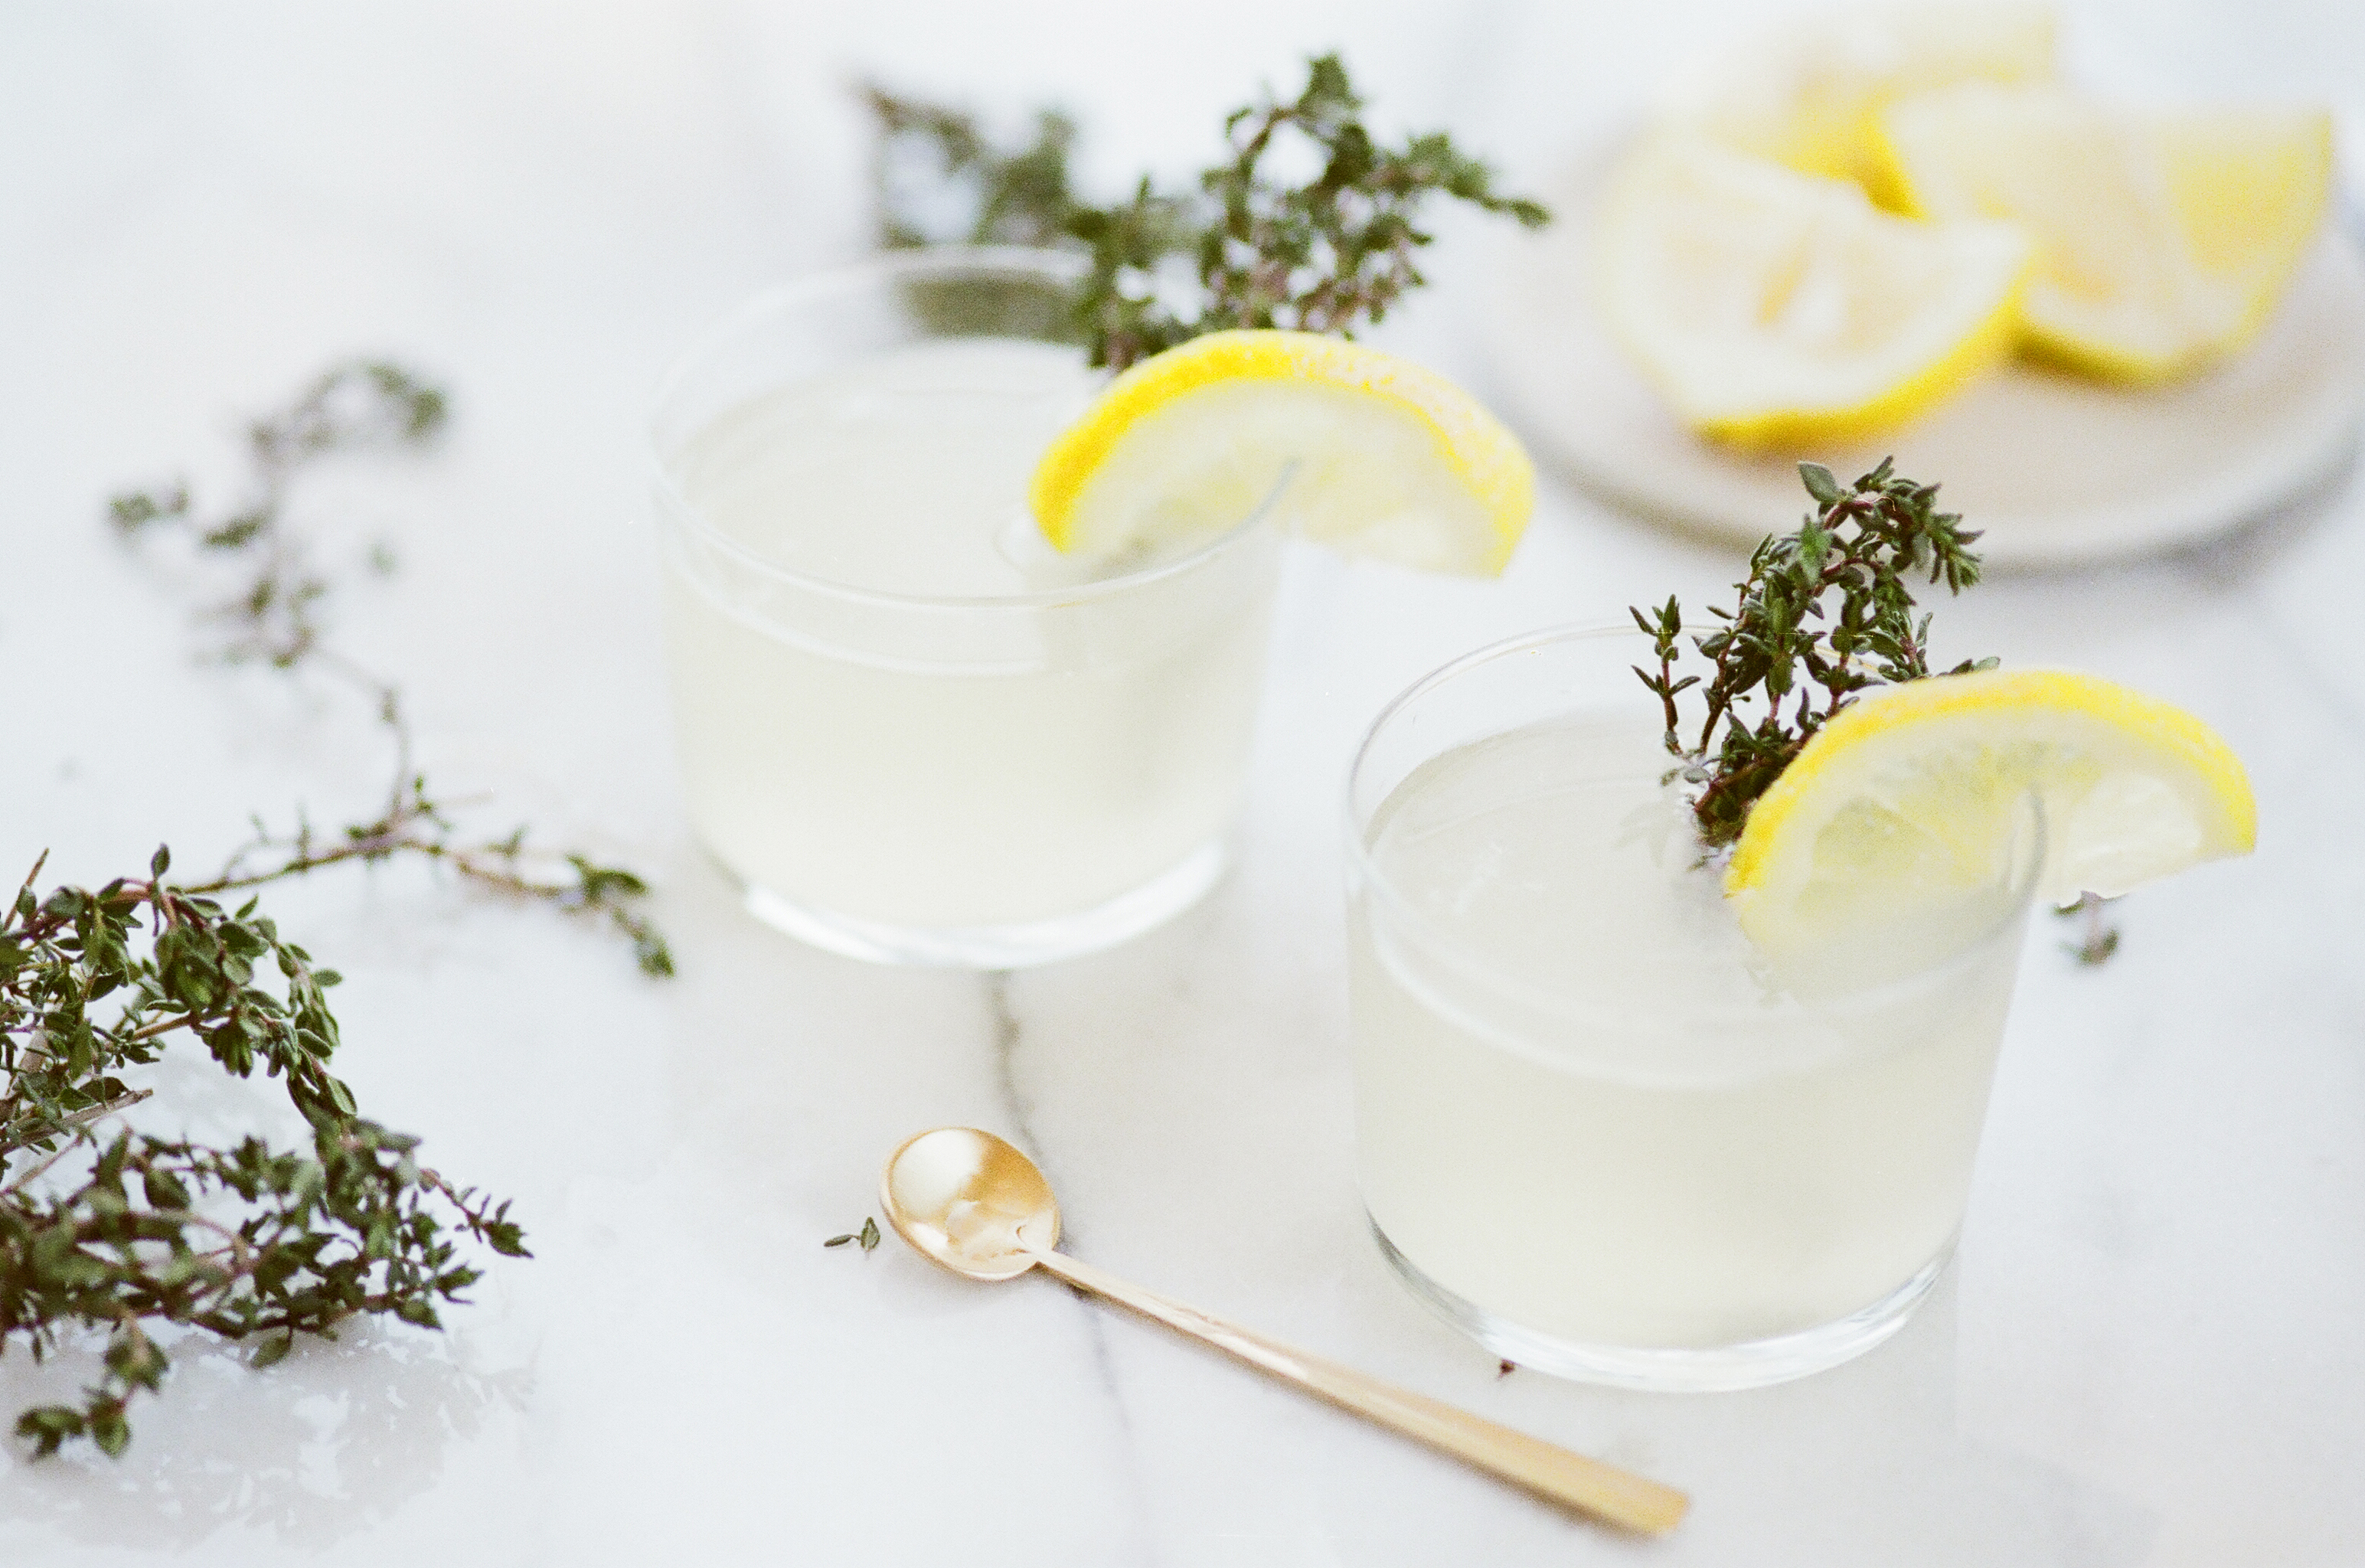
(1911, 797)
(1384, 458)
(2163, 240)
(1809, 96)
(1775, 308)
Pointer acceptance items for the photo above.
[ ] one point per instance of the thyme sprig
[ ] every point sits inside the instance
(121, 1233)
(868, 1237)
(1825, 613)
(416, 826)
(276, 618)
(929, 160)
(111, 1229)
(1329, 254)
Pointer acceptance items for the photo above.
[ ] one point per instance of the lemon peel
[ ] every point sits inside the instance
(1383, 457)
(2164, 240)
(1908, 795)
(1772, 307)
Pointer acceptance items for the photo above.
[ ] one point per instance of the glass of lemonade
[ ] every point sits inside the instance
(1595, 1126)
(911, 730)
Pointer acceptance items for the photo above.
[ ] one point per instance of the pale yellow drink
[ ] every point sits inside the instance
(1601, 1129)
(911, 729)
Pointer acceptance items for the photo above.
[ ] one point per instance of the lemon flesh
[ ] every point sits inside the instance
(1772, 307)
(1382, 457)
(1913, 797)
(1810, 96)
(2163, 240)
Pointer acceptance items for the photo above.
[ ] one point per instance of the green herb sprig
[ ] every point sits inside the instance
(109, 1229)
(926, 152)
(276, 619)
(1825, 613)
(1327, 255)
(867, 1238)
(121, 1233)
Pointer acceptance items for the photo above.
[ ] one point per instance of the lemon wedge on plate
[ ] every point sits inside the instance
(2163, 240)
(1775, 308)
(1384, 458)
(1809, 96)
(1911, 797)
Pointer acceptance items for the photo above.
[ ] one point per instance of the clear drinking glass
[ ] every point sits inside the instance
(1597, 1128)
(912, 731)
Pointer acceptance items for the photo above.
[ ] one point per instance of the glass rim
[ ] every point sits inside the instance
(1364, 870)
(887, 266)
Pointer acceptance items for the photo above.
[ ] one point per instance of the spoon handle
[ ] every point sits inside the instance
(1603, 1491)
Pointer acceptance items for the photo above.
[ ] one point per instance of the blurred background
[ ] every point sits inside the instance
(238, 188)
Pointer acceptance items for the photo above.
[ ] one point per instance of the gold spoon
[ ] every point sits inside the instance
(974, 1203)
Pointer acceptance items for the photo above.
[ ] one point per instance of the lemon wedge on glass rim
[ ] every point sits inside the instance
(1912, 795)
(1775, 308)
(2163, 240)
(1383, 457)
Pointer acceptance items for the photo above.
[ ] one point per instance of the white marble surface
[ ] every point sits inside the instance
(2149, 1352)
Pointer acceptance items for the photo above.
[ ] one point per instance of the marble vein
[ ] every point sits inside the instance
(1016, 1105)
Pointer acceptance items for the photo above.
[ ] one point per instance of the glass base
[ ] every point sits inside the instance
(1716, 1370)
(998, 946)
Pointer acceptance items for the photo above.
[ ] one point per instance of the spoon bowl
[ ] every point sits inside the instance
(970, 1202)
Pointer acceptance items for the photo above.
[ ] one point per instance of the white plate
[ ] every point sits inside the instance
(2055, 471)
